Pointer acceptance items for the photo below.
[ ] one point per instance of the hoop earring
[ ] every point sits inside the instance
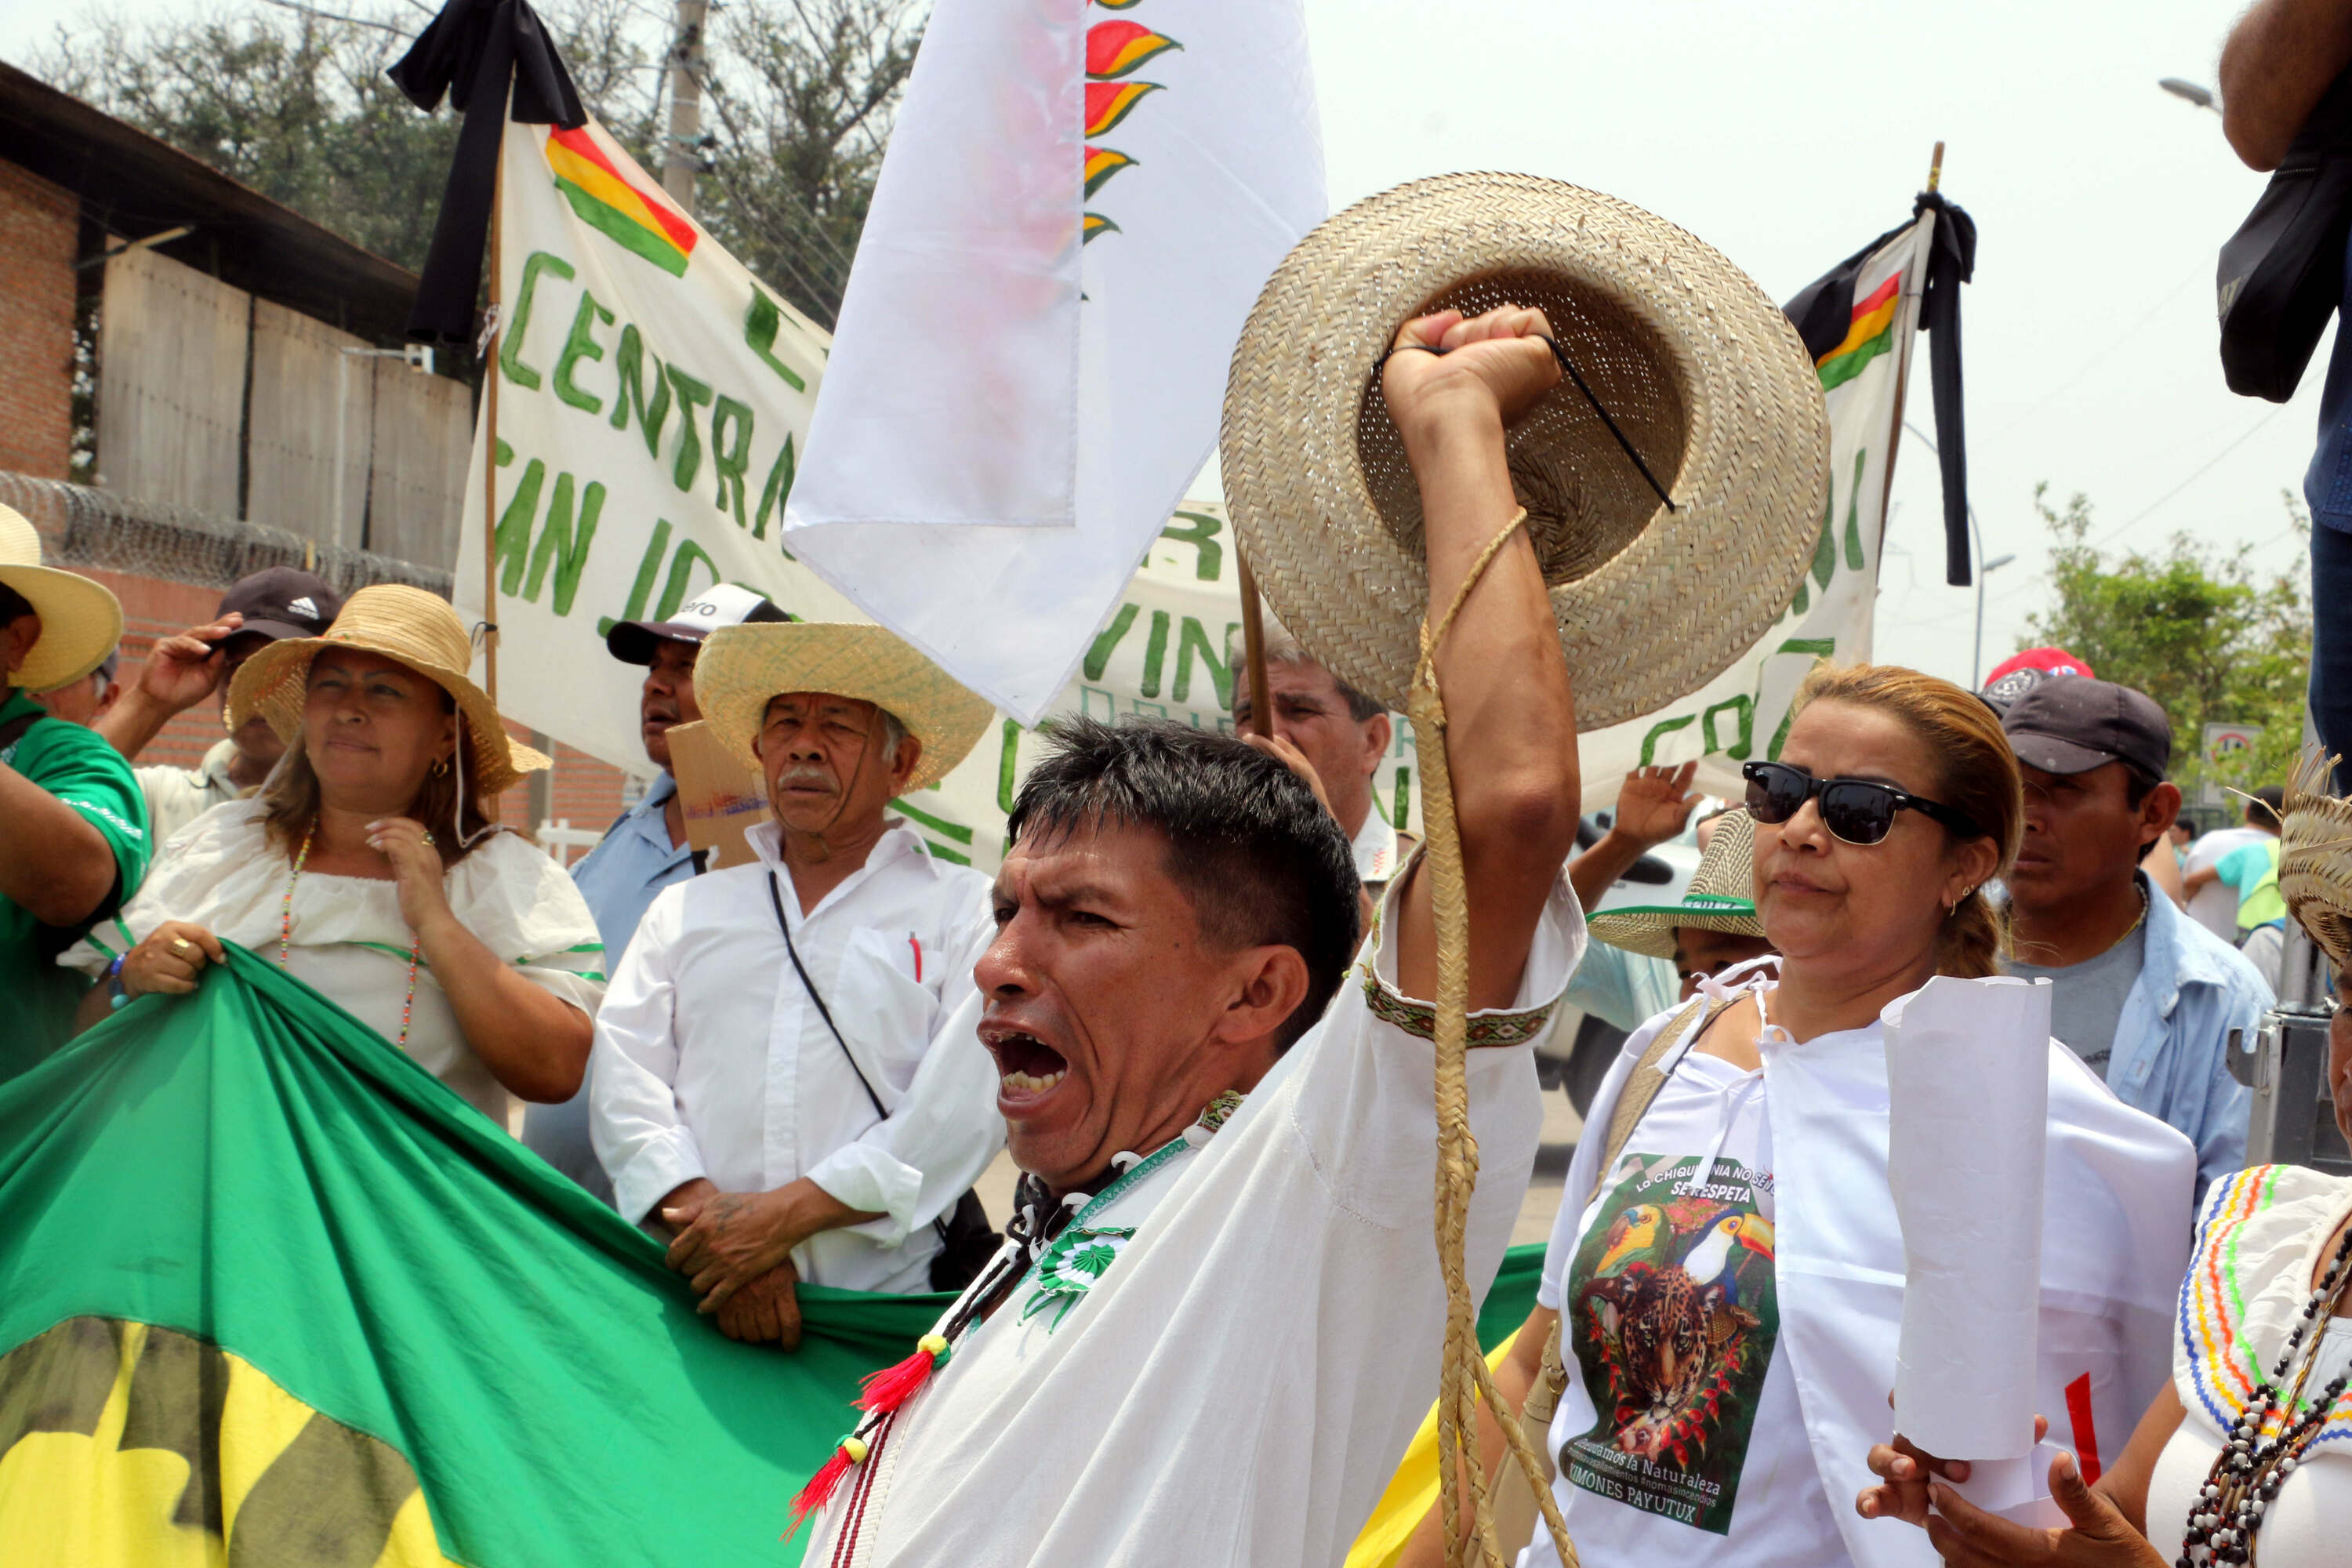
(441, 767)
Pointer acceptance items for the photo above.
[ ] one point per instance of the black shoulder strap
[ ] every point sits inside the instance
(776, 897)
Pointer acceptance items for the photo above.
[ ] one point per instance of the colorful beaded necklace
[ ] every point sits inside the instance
(2244, 1479)
(286, 935)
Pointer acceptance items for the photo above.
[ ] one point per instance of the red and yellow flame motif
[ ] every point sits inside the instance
(1108, 102)
(1101, 164)
(1115, 49)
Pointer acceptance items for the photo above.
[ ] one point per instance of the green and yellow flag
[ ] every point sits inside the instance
(271, 1294)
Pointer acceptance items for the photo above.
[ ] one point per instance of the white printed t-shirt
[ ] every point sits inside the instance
(1678, 1406)
(1236, 1384)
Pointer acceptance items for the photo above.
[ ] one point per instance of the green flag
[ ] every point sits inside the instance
(270, 1293)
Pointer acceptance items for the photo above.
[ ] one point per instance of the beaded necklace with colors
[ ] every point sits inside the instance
(286, 934)
(2246, 1474)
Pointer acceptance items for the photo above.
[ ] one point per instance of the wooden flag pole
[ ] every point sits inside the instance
(1254, 648)
(490, 446)
(1936, 168)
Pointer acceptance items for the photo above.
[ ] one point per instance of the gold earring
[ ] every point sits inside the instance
(441, 767)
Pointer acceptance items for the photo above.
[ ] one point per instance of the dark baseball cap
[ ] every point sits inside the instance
(2071, 725)
(283, 602)
(720, 605)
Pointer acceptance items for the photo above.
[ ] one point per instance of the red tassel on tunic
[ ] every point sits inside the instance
(883, 1392)
(812, 1497)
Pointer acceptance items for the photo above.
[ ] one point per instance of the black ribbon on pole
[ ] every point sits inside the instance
(469, 53)
(1951, 261)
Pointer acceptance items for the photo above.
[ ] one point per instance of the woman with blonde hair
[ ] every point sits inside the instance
(1725, 1276)
(368, 867)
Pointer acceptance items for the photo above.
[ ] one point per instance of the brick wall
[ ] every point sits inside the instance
(38, 222)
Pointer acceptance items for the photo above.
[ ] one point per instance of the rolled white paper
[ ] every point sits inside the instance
(1968, 1076)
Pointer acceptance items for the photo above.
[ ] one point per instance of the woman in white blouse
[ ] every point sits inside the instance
(367, 868)
(1729, 1288)
(2261, 1353)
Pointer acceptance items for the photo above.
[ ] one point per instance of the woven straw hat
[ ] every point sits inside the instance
(421, 631)
(80, 620)
(741, 666)
(1721, 897)
(1705, 378)
(2315, 869)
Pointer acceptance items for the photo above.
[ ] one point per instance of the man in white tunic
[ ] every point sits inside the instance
(764, 1079)
(1220, 1317)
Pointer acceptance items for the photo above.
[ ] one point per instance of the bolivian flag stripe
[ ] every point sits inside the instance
(1871, 334)
(604, 199)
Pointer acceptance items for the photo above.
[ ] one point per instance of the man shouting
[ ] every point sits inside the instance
(1219, 1320)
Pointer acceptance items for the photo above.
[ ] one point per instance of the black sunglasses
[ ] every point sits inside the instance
(1859, 811)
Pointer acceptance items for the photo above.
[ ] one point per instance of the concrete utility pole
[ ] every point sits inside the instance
(681, 159)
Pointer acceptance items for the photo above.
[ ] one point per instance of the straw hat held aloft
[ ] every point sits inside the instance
(80, 620)
(1673, 480)
(420, 631)
(743, 668)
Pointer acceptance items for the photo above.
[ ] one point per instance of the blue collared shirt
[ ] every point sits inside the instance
(635, 860)
(619, 878)
(2171, 1053)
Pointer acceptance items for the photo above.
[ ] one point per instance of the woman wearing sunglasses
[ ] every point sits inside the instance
(1727, 1277)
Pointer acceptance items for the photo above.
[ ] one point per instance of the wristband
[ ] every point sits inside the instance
(115, 994)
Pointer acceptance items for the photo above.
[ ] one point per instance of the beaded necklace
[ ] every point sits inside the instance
(286, 934)
(2246, 1474)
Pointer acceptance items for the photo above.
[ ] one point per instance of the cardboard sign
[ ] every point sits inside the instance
(721, 798)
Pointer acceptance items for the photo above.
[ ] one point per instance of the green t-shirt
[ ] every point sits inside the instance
(78, 767)
(2252, 869)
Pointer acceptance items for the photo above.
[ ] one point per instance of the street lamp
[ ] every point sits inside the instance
(2191, 92)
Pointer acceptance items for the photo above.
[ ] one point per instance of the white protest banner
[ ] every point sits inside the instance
(1743, 712)
(654, 406)
(653, 400)
(1078, 206)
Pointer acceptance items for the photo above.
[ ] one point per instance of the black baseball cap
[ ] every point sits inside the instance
(720, 605)
(2071, 725)
(283, 602)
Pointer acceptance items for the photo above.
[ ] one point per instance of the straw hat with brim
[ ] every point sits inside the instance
(740, 668)
(1700, 373)
(80, 620)
(2314, 868)
(1720, 896)
(402, 623)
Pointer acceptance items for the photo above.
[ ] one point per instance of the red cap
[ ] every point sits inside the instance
(2048, 660)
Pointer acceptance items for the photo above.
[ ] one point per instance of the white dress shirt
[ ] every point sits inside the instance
(712, 1060)
(1236, 1385)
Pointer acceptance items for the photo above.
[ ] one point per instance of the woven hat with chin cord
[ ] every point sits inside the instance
(1721, 897)
(2314, 866)
(741, 668)
(1696, 379)
(421, 631)
(80, 620)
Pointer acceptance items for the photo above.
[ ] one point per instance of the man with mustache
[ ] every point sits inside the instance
(644, 850)
(764, 1083)
(1217, 1321)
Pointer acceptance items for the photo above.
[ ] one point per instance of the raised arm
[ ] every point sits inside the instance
(180, 672)
(2275, 68)
(1510, 721)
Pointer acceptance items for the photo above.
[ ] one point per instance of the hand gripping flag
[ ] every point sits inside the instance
(1078, 206)
(275, 1295)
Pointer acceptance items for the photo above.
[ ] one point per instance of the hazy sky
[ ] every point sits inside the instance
(1787, 134)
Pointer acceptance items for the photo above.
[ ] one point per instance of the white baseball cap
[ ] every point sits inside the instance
(720, 605)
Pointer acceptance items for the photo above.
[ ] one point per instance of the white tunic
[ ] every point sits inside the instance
(712, 1060)
(2116, 1210)
(2257, 1251)
(349, 941)
(1238, 1384)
